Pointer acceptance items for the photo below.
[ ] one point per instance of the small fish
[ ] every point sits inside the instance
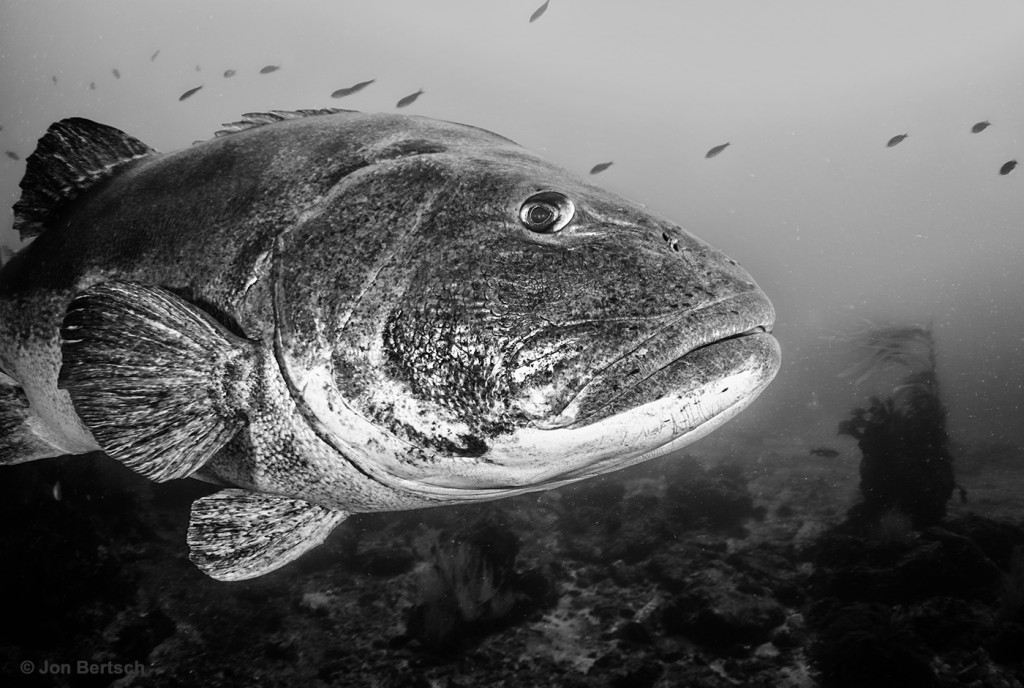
(12, 155)
(270, 68)
(342, 92)
(716, 150)
(601, 167)
(189, 93)
(152, 57)
(1007, 167)
(92, 85)
(348, 380)
(824, 451)
(980, 127)
(409, 99)
(57, 492)
(198, 68)
(537, 13)
(117, 74)
(54, 77)
(1, 127)
(896, 139)
(228, 73)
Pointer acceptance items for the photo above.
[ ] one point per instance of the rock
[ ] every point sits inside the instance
(995, 538)
(948, 623)
(939, 563)
(1005, 645)
(858, 645)
(638, 673)
(715, 611)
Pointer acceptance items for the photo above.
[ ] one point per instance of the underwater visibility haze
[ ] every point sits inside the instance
(287, 273)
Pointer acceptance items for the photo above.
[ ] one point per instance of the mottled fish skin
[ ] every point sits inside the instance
(440, 316)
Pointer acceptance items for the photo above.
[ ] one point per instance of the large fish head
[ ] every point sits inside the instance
(464, 319)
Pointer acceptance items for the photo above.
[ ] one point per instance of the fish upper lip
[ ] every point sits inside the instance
(734, 317)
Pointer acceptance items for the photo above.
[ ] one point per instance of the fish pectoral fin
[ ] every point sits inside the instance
(237, 534)
(161, 385)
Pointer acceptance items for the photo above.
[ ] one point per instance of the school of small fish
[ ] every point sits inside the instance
(411, 98)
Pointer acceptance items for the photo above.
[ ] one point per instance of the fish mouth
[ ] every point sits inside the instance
(690, 351)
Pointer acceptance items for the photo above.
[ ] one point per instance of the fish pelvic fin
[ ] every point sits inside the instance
(20, 436)
(161, 385)
(72, 156)
(236, 534)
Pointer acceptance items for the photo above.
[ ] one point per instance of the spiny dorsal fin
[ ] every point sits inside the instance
(71, 156)
(236, 534)
(159, 383)
(251, 120)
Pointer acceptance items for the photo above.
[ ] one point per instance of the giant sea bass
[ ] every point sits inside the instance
(328, 312)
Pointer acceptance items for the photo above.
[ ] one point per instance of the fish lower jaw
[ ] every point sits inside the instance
(533, 459)
(678, 376)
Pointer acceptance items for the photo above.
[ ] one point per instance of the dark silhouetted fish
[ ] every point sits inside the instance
(54, 77)
(270, 68)
(601, 167)
(189, 93)
(92, 85)
(116, 73)
(1007, 167)
(409, 99)
(980, 127)
(198, 68)
(716, 150)
(1, 127)
(12, 155)
(153, 56)
(896, 139)
(537, 13)
(824, 451)
(186, 333)
(342, 92)
(228, 73)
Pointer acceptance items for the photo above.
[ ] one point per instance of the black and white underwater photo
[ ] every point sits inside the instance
(577, 343)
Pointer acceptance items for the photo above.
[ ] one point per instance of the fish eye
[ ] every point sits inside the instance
(547, 212)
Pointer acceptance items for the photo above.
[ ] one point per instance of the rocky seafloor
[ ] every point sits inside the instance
(689, 572)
